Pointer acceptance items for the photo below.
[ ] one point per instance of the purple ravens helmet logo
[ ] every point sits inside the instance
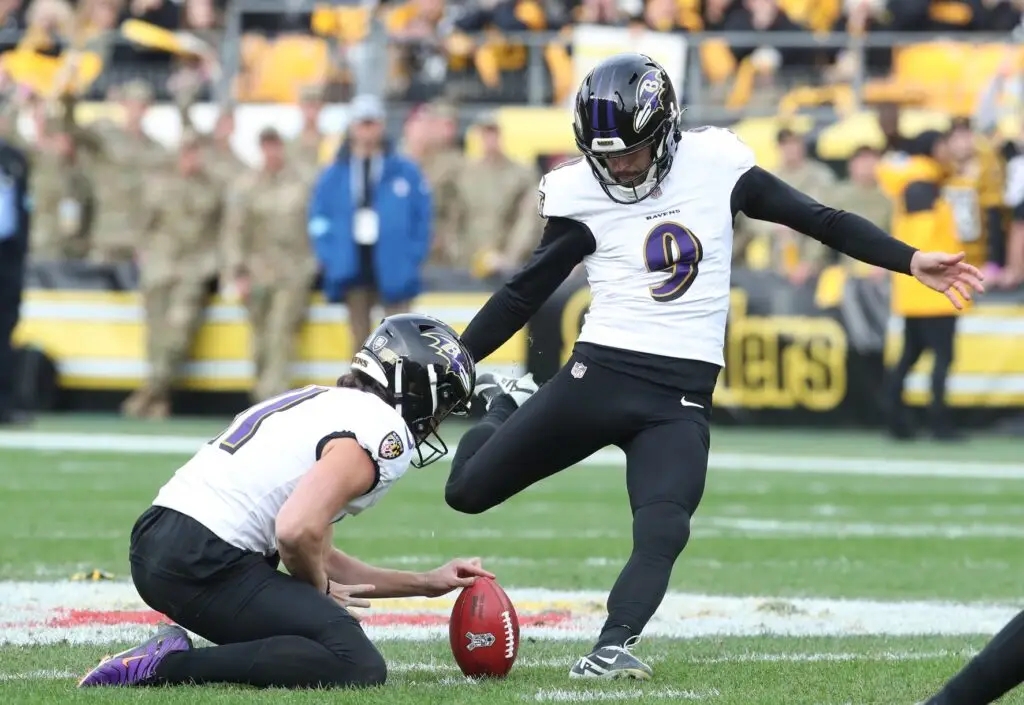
(458, 361)
(648, 98)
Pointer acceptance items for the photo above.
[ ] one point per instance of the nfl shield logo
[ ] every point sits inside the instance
(578, 370)
(656, 192)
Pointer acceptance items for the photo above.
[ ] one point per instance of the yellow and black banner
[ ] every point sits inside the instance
(788, 359)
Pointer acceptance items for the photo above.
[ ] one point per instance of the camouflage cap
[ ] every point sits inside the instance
(270, 134)
(487, 118)
(136, 89)
(443, 109)
(311, 93)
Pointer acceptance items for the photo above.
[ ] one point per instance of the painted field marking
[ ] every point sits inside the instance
(704, 526)
(816, 465)
(526, 663)
(561, 695)
(48, 674)
(95, 613)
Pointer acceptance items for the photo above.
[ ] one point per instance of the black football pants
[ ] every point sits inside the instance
(271, 629)
(569, 418)
(920, 334)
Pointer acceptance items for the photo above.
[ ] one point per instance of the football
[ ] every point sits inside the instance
(484, 630)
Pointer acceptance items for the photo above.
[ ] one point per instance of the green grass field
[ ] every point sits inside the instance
(824, 569)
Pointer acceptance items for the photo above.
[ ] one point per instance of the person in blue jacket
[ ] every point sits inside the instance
(370, 221)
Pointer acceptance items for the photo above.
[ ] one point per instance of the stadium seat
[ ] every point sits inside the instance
(563, 73)
(840, 97)
(945, 71)
(717, 60)
(353, 24)
(838, 141)
(284, 66)
(48, 75)
(347, 24)
(816, 15)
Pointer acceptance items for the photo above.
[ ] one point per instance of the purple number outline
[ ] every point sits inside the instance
(658, 257)
(244, 432)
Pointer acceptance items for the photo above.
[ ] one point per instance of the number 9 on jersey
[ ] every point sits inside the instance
(675, 250)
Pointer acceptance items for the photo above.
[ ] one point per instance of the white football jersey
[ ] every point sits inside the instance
(237, 483)
(659, 277)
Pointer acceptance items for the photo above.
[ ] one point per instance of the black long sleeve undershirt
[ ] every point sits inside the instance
(757, 193)
(564, 245)
(763, 196)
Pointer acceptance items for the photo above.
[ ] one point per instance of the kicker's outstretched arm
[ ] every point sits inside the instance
(763, 196)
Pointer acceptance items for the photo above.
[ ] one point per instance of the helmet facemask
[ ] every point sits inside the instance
(635, 187)
(424, 395)
(424, 405)
(632, 189)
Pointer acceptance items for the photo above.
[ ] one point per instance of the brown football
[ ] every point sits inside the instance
(484, 630)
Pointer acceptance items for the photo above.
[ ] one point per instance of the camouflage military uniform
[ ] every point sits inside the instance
(867, 202)
(224, 165)
(121, 164)
(219, 159)
(441, 169)
(304, 151)
(63, 203)
(304, 156)
(497, 216)
(266, 242)
(180, 217)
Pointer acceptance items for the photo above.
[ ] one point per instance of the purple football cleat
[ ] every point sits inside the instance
(137, 665)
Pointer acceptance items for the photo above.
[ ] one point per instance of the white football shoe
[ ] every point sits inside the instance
(612, 662)
(490, 386)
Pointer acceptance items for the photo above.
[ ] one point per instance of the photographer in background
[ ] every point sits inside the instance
(14, 228)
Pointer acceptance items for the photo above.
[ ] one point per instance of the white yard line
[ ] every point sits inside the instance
(560, 695)
(755, 527)
(40, 675)
(816, 465)
(704, 527)
(447, 667)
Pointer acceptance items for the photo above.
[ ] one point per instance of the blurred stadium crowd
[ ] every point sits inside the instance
(182, 223)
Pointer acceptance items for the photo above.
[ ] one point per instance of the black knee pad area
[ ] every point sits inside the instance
(661, 530)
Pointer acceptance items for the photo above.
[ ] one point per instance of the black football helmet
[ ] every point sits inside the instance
(626, 105)
(427, 372)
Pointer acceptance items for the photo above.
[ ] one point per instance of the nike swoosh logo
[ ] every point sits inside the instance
(126, 661)
(690, 403)
(609, 661)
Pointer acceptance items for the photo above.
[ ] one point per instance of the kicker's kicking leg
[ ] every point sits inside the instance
(524, 438)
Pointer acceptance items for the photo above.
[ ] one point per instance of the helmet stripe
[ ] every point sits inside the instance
(397, 391)
(610, 106)
(432, 376)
